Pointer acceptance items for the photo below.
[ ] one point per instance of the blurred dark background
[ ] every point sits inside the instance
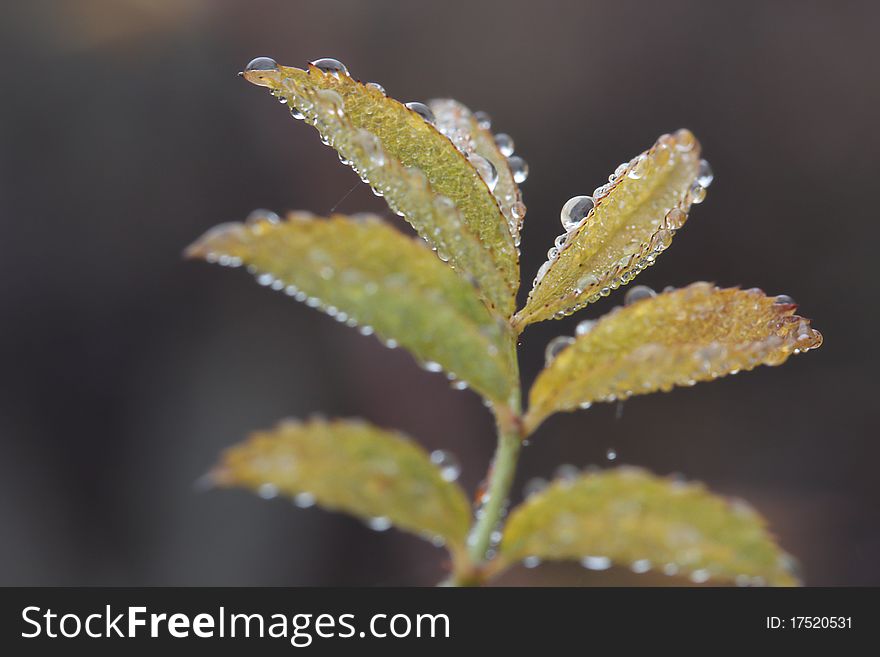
(126, 370)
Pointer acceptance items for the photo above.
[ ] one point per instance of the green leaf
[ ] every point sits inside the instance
(416, 168)
(634, 219)
(366, 273)
(458, 123)
(350, 466)
(631, 518)
(677, 338)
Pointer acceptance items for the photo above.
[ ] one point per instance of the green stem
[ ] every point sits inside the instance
(508, 421)
(500, 481)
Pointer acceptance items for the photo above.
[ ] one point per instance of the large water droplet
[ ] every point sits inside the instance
(486, 169)
(262, 64)
(376, 86)
(585, 327)
(611, 454)
(519, 168)
(785, 300)
(637, 293)
(697, 194)
(449, 466)
(422, 110)
(504, 142)
(532, 562)
(704, 174)
(330, 66)
(575, 211)
(555, 346)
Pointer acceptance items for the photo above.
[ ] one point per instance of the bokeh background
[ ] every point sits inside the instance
(125, 370)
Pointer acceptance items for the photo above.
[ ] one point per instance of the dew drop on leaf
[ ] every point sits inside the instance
(704, 174)
(637, 293)
(450, 468)
(585, 327)
(379, 523)
(504, 142)
(575, 211)
(596, 563)
(422, 110)
(519, 168)
(330, 66)
(262, 64)
(556, 345)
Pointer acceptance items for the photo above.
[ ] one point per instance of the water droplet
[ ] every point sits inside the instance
(637, 293)
(640, 566)
(675, 218)
(685, 140)
(784, 300)
(575, 211)
(295, 113)
(639, 167)
(534, 485)
(422, 110)
(596, 563)
(449, 466)
(697, 194)
(519, 168)
(379, 523)
(262, 64)
(611, 454)
(432, 366)
(391, 344)
(376, 86)
(486, 169)
(585, 327)
(265, 279)
(704, 174)
(261, 215)
(699, 576)
(330, 66)
(600, 192)
(567, 472)
(267, 491)
(555, 346)
(518, 210)
(504, 142)
(483, 120)
(532, 562)
(304, 500)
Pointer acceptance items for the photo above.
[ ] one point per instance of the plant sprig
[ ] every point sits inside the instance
(441, 168)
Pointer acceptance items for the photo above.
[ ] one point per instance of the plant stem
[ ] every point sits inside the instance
(508, 421)
(500, 481)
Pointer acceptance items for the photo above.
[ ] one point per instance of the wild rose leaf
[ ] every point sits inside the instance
(470, 134)
(634, 218)
(631, 518)
(366, 273)
(416, 168)
(677, 338)
(351, 466)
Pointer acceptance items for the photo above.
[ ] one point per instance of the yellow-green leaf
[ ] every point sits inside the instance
(384, 140)
(350, 466)
(677, 338)
(463, 128)
(631, 518)
(634, 218)
(366, 273)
